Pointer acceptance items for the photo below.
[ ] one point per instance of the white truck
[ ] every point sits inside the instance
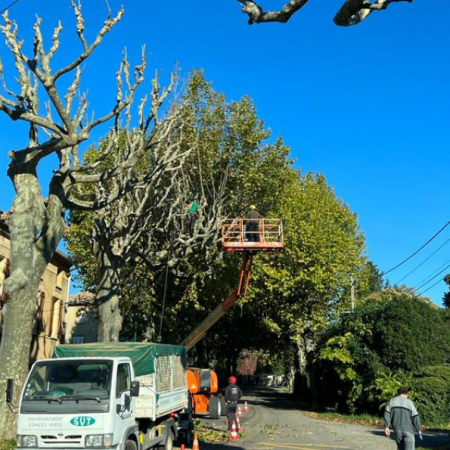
(124, 396)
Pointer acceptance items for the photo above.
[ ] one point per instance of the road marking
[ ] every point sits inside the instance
(303, 446)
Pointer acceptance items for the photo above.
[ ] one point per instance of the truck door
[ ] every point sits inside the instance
(123, 401)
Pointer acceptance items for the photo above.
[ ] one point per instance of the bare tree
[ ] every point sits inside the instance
(152, 226)
(352, 12)
(58, 127)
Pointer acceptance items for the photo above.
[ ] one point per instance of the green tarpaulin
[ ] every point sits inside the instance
(141, 354)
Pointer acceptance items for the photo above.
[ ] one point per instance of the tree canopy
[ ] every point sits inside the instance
(378, 347)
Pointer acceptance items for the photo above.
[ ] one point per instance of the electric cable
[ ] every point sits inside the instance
(423, 262)
(433, 273)
(431, 279)
(9, 6)
(413, 254)
(427, 289)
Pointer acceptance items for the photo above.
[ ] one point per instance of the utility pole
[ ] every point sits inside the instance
(352, 292)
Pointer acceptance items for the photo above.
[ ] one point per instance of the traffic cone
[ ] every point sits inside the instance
(195, 445)
(239, 429)
(245, 407)
(234, 436)
(239, 412)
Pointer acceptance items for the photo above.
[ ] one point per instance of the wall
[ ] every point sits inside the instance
(81, 319)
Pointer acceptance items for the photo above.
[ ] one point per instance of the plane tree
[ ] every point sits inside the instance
(228, 165)
(52, 103)
(231, 138)
(293, 294)
(146, 230)
(297, 291)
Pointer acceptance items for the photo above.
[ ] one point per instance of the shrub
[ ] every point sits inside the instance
(432, 394)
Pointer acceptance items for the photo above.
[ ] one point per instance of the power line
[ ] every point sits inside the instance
(9, 6)
(423, 262)
(431, 279)
(432, 286)
(433, 273)
(415, 253)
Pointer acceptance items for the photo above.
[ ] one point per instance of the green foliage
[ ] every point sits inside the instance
(302, 286)
(9, 444)
(388, 383)
(230, 138)
(432, 394)
(376, 349)
(230, 145)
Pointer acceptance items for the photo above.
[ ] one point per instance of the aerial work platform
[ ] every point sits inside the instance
(240, 235)
(248, 236)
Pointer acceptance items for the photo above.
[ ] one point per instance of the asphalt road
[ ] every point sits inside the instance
(275, 423)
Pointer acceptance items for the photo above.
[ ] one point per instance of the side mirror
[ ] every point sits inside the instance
(9, 390)
(135, 385)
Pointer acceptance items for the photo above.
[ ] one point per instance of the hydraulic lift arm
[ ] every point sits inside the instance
(217, 313)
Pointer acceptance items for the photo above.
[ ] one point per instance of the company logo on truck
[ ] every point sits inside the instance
(82, 421)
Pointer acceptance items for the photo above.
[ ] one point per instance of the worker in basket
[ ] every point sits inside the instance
(252, 224)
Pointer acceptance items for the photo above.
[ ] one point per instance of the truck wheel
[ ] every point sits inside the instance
(214, 407)
(130, 445)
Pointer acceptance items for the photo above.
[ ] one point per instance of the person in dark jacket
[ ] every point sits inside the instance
(402, 416)
(232, 396)
(252, 224)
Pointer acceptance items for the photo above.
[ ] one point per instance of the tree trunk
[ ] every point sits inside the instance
(110, 319)
(312, 381)
(28, 262)
(309, 347)
(15, 352)
(300, 383)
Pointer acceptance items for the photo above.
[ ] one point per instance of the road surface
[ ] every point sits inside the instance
(275, 423)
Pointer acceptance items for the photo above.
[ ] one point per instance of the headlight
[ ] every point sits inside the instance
(26, 440)
(98, 440)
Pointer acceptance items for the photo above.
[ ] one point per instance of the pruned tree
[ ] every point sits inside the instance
(352, 12)
(58, 124)
(149, 226)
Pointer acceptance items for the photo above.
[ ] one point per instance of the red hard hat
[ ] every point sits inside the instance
(232, 379)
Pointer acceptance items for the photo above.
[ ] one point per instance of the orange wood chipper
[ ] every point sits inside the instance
(204, 386)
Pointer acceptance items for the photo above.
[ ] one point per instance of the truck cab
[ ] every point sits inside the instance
(79, 403)
(121, 395)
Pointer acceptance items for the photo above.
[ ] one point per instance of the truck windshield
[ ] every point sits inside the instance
(63, 380)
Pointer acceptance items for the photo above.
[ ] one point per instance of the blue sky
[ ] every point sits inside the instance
(368, 106)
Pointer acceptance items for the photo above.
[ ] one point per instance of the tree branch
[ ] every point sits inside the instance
(352, 12)
(257, 15)
(107, 27)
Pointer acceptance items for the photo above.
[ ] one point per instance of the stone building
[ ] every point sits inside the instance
(81, 322)
(52, 298)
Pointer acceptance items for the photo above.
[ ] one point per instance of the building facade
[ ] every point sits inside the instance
(52, 299)
(81, 322)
